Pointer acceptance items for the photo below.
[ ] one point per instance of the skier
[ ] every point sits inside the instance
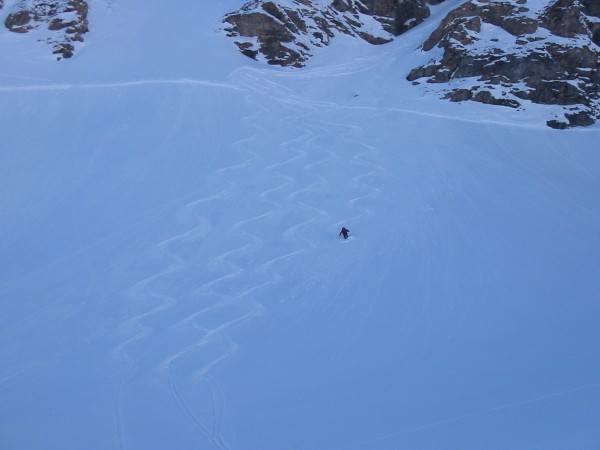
(344, 232)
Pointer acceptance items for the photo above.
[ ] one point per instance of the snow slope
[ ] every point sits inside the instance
(171, 275)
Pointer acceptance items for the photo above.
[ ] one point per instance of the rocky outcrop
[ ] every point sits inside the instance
(506, 53)
(60, 23)
(286, 32)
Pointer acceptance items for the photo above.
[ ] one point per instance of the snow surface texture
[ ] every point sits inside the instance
(172, 277)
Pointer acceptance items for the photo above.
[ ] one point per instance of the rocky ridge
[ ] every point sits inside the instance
(286, 32)
(512, 51)
(61, 24)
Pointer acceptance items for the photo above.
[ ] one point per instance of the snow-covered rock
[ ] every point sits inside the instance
(508, 52)
(60, 23)
(286, 32)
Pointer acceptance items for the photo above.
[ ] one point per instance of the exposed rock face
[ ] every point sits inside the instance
(285, 32)
(64, 21)
(504, 52)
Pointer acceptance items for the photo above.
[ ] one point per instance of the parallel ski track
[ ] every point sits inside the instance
(284, 193)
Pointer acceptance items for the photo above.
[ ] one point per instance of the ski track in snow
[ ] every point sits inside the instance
(152, 348)
(206, 278)
(470, 415)
(114, 85)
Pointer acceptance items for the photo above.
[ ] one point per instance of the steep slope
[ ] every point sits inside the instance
(172, 276)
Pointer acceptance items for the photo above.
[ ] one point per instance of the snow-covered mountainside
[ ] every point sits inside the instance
(171, 270)
(508, 53)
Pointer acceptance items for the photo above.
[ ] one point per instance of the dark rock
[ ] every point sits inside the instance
(459, 95)
(563, 18)
(18, 22)
(581, 119)
(65, 50)
(591, 7)
(423, 72)
(396, 17)
(481, 96)
(487, 98)
(557, 125)
(261, 25)
(288, 35)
